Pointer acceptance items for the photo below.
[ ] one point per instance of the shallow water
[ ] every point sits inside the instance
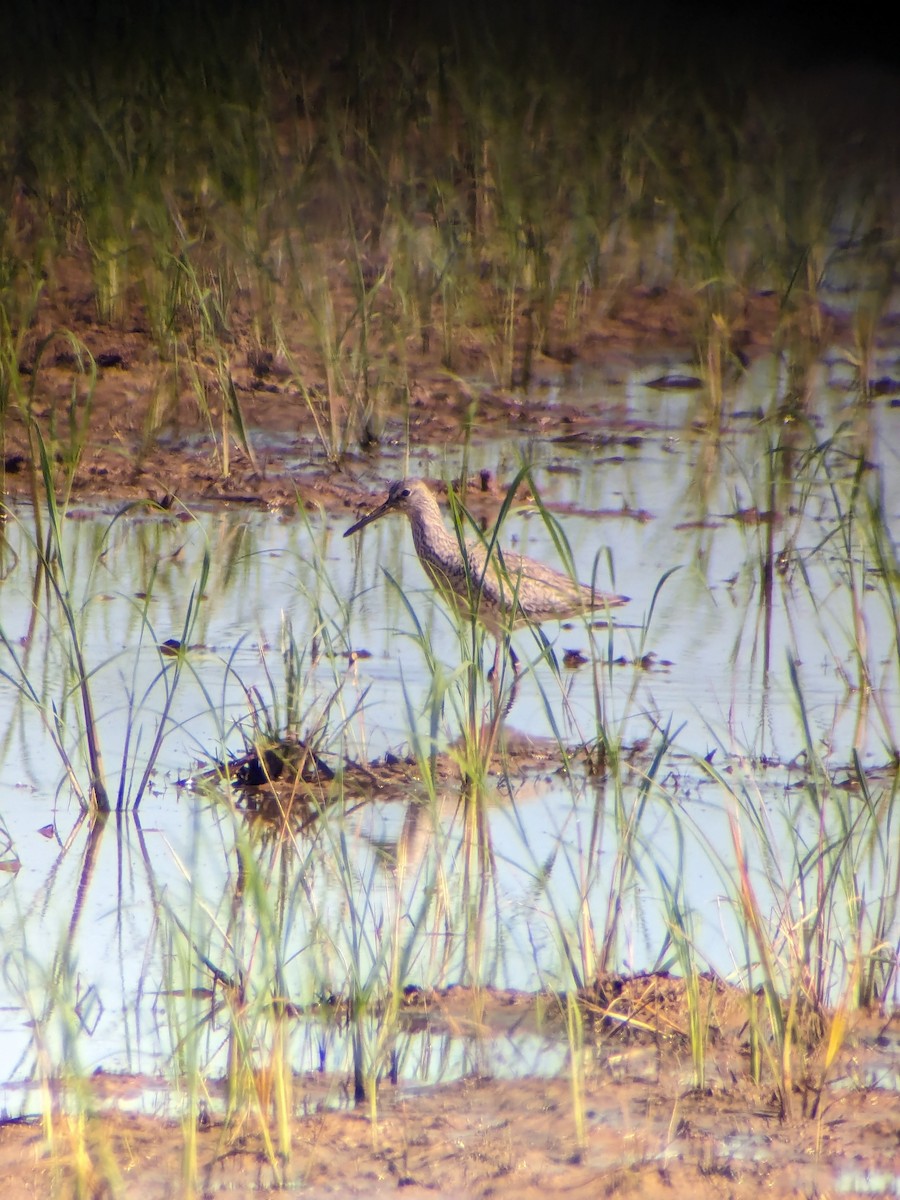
(98, 922)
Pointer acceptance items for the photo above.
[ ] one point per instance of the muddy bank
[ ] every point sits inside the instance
(138, 433)
(634, 1126)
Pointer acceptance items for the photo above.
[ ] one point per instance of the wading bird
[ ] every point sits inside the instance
(500, 589)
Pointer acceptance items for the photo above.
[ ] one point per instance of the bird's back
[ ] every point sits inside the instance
(504, 590)
(501, 589)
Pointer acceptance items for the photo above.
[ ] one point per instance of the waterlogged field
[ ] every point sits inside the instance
(627, 920)
(711, 788)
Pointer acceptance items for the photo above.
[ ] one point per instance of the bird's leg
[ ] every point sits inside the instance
(503, 710)
(514, 687)
(493, 713)
(513, 658)
(492, 673)
(494, 680)
(491, 726)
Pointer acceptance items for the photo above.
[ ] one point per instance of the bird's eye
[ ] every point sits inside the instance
(404, 495)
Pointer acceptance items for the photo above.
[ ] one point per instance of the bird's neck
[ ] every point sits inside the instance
(430, 534)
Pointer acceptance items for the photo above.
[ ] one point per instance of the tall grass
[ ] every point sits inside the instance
(81, 1160)
(809, 937)
(364, 217)
(427, 201)
(68, 708)
(299, 933)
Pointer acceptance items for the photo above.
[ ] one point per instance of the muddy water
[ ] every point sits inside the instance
(94, 920)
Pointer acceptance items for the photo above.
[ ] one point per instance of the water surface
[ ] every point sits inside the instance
(771, 653)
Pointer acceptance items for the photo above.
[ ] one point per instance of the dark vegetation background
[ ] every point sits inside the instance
(605, 51)
(242, 183)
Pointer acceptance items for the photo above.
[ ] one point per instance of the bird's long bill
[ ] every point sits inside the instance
(370, 517)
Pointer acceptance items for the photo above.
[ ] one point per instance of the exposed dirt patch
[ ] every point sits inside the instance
(143, 437)
(288, 781)
(646, 1131)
